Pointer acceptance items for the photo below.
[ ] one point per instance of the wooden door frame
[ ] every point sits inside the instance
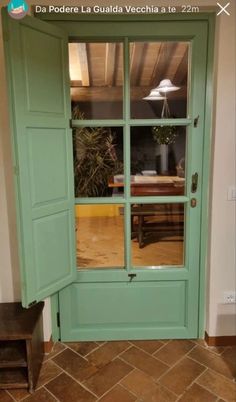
(64, 21)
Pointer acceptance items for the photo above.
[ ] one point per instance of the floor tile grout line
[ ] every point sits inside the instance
(117, 383)
(131, 392)
(169, 390)
(127, 389)
(97, 348)
(217, 372)
(111, 341)
(118, 355)
(194, 381)
(58, 400)
(123, 351)
(73, 378)
(8, 392)
(52, 357)
(130, 364)
(222, 375)
(208, 349)
(209, 390)
(162, 361)
(83, 357)
(175, 364)
(151, 354)
(156, 381)
(57, 375)
(148, 354)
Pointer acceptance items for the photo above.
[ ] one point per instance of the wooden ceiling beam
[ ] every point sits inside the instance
(181, 73)
(115, 94)
(153, 79)
(176, 58)
(164, 57)
(110, 64)
(137, 61)
(84, 66)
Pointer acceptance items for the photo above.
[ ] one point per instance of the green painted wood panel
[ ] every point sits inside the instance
(132, 310)
(37, 64)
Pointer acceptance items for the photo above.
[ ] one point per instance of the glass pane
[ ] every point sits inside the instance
(158, 160)
(96, 76)
(157, 234)
(100, 236)
(98, 158)
(163, 67)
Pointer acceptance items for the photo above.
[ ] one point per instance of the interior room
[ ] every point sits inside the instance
(157, 153)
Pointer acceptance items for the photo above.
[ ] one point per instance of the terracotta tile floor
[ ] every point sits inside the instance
(138, 371)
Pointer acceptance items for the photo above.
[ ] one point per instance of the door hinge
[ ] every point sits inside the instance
(58, 320)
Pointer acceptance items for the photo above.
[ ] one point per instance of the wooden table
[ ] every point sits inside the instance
(153, 185)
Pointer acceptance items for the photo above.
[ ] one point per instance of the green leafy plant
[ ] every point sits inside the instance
(95, 160)
(164, 134)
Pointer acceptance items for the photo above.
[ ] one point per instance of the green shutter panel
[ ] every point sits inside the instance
(37, 64)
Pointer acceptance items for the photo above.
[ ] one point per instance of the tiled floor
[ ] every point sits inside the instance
(134, 371)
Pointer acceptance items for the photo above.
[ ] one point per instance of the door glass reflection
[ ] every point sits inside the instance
(96, 77)
(100, 236)
(159, 79)
(157, 235)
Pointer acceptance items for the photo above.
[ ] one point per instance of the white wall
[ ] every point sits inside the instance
(222, 275)
(221, 267)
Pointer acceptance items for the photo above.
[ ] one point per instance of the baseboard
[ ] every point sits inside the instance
(220, 340)
(47, 346)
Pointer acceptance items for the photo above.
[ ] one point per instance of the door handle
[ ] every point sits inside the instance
(194, 182)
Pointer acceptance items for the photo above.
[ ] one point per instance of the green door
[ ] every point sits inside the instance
(37, 66)
(138, 240)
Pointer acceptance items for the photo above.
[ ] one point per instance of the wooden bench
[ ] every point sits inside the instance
(170, 220)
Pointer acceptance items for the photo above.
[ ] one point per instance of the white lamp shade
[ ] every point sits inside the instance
(166, 86)
(154, 95)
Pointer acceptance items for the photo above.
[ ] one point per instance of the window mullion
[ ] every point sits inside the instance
(126, 142)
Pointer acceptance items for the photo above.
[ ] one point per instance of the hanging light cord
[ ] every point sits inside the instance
(165, 109)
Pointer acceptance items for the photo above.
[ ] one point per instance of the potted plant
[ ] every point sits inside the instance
(164, 136)
(95, 160)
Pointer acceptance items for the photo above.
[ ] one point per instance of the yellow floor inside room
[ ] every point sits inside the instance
(100, 242)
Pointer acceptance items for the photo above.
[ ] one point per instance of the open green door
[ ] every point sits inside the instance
(138, 245)
(37, 66)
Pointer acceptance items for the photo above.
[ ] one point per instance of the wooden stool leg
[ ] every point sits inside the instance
(140, 231)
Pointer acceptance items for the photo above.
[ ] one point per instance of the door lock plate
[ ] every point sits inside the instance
(193, 202)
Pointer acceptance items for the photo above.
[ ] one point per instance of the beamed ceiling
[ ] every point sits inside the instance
(96, 69)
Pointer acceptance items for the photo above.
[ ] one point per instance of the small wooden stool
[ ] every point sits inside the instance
(21, 345)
